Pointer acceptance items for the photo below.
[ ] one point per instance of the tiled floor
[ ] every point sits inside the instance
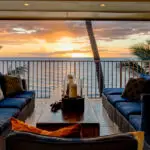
(106, 125)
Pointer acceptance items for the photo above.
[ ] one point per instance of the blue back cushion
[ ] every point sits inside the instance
(145, 76)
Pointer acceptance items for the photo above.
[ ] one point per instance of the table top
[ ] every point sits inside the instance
(49, 117)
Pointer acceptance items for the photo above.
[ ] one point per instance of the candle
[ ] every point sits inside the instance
(70, 81)
(73, 90)
(81, 87)
(64, 88)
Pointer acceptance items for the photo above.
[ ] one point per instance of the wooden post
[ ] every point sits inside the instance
(98, 66)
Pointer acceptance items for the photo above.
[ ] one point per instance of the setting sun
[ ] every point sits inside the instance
(64, 46)
(65, 43)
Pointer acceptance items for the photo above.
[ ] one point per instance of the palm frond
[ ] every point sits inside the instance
(142, 50)
(134, 66)
(17, 71)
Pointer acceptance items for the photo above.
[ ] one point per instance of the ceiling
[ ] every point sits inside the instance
(60, 9)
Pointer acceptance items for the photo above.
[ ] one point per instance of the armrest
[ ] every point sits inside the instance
(39, 142)
(145, 119)
(145, 96)
(24, 84)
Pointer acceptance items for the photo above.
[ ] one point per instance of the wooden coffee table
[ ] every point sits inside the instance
(53, 121)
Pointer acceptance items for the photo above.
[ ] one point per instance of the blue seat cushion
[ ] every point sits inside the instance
(128, 108)
(13, 102)
(111, 91)
(5, 115)
(26, 94)
(113, 99)
(135, 121)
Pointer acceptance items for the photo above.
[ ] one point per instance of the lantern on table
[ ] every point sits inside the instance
(73, 99)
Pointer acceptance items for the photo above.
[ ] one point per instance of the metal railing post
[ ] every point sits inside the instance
(120, 74)
(75, 69)
(39, 73)
(28, 74)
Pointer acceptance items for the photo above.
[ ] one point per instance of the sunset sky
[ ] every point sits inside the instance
(69, 38)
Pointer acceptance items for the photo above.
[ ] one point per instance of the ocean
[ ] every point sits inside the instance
(45, 74)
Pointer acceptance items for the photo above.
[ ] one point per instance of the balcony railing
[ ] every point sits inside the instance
(44, 76)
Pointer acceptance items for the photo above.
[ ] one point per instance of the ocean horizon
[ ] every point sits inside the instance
(70, 58)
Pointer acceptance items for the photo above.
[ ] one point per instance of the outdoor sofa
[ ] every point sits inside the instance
(20, 106)
(40, 142)
(128, 115)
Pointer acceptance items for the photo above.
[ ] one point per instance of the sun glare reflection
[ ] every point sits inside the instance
(78, 55)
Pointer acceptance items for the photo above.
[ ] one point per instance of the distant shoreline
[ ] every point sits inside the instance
(52, 58)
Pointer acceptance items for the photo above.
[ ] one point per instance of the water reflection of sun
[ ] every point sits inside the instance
(79, 55)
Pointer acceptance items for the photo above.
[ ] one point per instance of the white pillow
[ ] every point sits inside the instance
(1, 94)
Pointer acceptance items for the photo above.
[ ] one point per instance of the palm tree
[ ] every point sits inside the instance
(142, 51)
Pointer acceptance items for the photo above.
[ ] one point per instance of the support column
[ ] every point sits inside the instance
(96, 56)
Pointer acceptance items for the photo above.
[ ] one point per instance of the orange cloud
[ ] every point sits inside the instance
(69, 38)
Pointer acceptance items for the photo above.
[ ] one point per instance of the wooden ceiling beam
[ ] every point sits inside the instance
(74, 16)
(87, 0)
